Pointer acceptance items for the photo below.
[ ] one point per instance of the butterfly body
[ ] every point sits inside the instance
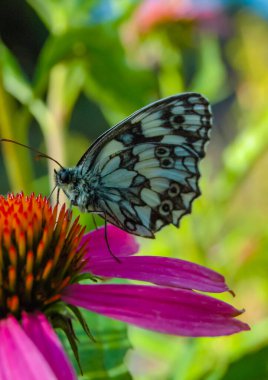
(143, 173)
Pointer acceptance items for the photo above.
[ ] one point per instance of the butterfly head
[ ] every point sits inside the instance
(63, 177)
(68, 180)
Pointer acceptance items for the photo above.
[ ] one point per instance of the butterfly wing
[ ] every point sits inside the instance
(147, 165)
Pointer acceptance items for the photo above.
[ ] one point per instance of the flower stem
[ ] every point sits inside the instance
(52, 119)
(16, 161)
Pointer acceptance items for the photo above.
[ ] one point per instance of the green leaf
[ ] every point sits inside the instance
(60, 15)
(108, 78)
(14, 79)
(104, 358)
(252, 366)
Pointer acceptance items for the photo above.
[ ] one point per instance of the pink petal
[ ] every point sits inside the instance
(167, 310)
(120, 242)
(20, 358)
(161, 271)
(41, 333)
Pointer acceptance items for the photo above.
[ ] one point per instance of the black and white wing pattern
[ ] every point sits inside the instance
(145, 169)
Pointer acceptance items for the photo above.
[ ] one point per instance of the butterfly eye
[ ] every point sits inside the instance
(64, 176)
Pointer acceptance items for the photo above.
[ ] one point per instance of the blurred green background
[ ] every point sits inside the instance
(69, 69)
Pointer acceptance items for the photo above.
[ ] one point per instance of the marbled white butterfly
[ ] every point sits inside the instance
(142, 174)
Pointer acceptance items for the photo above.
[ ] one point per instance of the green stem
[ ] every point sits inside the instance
(52, 119)
(16, 161)
(55, 101)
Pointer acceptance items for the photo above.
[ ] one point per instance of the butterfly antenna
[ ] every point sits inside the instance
(107, 242)
(39, 154)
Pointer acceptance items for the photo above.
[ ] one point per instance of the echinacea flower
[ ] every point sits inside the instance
(43, 256)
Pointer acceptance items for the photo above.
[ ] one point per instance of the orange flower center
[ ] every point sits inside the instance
(39, 253)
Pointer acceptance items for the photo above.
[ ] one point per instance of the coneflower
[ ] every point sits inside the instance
(44, 256)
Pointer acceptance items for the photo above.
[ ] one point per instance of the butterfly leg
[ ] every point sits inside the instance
(50, 195)
(58, 196)
(107, 241)
(94, 222)
(70, 210)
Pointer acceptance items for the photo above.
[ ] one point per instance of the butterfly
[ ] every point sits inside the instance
(142, 174)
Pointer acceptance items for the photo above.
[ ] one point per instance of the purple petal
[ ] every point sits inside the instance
(120, 243)
(41, 333)
(167, 310)
(161, 271)
(20, 358)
